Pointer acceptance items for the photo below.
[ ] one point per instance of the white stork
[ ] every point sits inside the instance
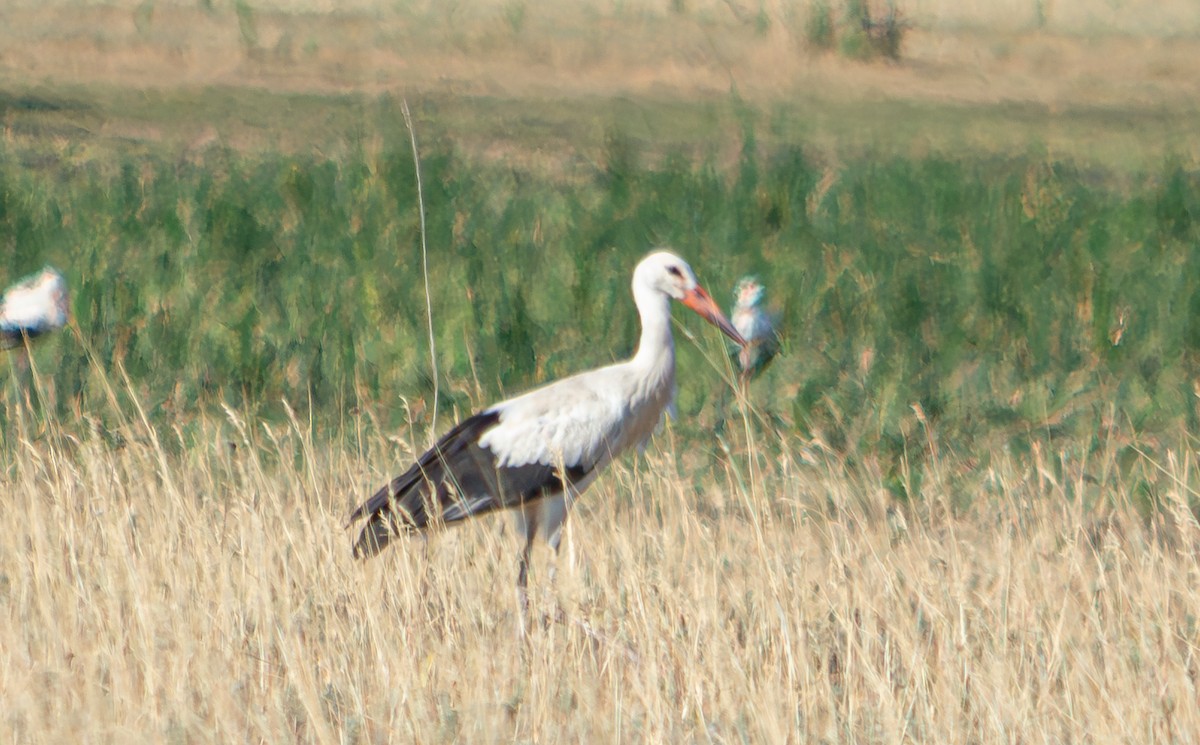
(34, 306)
(538, 452)
(755, 325)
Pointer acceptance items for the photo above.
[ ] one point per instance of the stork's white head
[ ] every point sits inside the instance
(748, 293)
(664, 273)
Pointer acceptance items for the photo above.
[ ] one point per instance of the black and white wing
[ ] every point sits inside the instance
(510, 454)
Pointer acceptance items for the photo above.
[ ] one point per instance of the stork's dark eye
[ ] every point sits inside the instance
(675, 271)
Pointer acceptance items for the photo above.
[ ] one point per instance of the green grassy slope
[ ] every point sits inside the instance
(1003, 295)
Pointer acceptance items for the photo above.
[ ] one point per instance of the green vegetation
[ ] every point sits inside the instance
(1005, 300)
(819, 30)
(857, 33)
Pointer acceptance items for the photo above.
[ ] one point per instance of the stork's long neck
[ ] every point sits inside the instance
(655, 358)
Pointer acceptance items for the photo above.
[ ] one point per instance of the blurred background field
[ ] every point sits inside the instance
(982, 248)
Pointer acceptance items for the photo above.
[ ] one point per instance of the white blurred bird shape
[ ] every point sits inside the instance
(753, 323)
(33, 307)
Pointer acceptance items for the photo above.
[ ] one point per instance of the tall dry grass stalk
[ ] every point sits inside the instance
(433, 366)
(160, 587)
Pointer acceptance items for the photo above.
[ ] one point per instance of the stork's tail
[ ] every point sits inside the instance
(421, 495)
(388, 516)
(375, 536)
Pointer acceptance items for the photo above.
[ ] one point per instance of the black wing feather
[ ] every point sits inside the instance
(458, 475)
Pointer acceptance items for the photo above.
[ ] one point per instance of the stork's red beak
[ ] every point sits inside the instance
(701, 302)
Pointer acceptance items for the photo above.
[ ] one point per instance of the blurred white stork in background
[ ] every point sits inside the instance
(33, 307)
(538, 452)
(756, 326)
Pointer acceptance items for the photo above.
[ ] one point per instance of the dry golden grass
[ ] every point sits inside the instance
(1083, 52)
(209, 596)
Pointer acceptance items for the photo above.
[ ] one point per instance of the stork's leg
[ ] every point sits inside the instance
(551, 577)
(523, 576)
(555, 543)
(527, 525)
(555, 509)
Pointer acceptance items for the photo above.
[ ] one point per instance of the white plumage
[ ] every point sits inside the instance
(537, 452)
(34, 306)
